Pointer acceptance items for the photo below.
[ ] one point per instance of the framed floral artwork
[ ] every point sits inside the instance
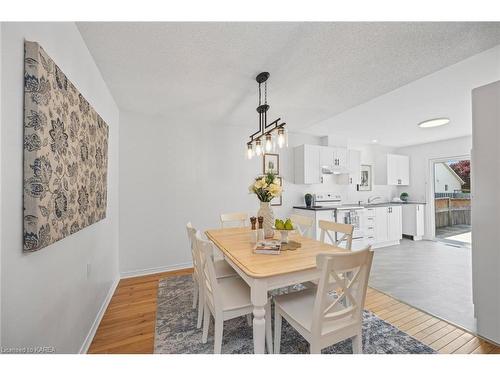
(365, 178)
(65, 154)
(271, 162)
(279, 200)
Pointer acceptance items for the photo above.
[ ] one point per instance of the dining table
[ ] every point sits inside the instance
(266, 272)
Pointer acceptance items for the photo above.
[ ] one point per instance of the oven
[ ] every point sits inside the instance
(355, 217)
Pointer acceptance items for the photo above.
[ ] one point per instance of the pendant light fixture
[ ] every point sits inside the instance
(266, 131)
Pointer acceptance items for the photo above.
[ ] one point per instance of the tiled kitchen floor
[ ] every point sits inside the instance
(432, 276)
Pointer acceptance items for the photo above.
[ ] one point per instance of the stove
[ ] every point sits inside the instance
(333, 200)
(344, 213)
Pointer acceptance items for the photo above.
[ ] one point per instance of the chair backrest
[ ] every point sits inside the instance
(342, 287)
(238, 218)
(191, 232)
(303, 223)
(328, 228)
(206, 251)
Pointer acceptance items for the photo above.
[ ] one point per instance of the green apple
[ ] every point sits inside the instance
(288, 224)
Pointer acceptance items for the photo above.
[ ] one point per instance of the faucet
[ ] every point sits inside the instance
(373, 198)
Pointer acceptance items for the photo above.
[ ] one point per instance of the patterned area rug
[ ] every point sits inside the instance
(176, 331)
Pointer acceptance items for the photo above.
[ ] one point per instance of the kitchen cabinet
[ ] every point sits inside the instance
(333, 157)
(394, 223)
(369, 227)
(326, 156)
(307, 164)
(309, 160)
(414, 220)
(354, 167)
(392, 169)
(340, 158)
(381, 224)
(387, 226)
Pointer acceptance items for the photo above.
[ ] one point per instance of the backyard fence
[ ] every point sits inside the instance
(452, 211)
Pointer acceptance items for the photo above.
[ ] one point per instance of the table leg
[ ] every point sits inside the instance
(259, 301)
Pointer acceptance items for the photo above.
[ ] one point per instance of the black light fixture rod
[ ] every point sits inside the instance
(262, 109)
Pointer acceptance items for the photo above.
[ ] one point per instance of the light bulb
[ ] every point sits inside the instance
(281, 137)
(258, 147)
(249, 151)
(269, 143)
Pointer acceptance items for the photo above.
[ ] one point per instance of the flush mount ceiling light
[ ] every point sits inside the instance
(435, 122)
(271, 134)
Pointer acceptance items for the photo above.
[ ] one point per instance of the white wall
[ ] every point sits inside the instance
(444, 180)
(47, 299)
(420, 172)
(486, 209)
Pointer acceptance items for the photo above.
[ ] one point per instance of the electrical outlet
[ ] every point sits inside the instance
(89, 270)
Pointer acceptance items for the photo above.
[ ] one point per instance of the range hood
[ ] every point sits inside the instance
(330, 169)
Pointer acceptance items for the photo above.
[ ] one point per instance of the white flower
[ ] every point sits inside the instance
(275, 190)
(260, 184)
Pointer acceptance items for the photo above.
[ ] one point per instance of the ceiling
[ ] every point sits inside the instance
(203, 73)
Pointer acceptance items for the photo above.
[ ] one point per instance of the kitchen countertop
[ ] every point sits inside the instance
(366, 205)
(315, 208)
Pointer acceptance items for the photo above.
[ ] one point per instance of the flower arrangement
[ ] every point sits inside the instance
(266, 188)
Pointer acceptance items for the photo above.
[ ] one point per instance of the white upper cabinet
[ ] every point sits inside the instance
(340, 158)
(307, 164)
(310, 159)
(392, 169)
(326, 156)
(354, 166)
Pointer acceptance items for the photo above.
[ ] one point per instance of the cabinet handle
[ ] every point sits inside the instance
(350, 180)
(321, 179)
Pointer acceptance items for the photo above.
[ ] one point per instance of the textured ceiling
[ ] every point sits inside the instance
(204, 72)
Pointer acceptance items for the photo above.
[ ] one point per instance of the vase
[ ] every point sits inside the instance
(267, 213)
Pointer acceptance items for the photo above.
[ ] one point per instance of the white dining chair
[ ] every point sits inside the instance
(303, 223)
(225, 299)
(328, 230)
(319, 314)
(234, 218)
(222, 270)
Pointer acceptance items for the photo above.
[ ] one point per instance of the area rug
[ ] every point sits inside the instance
(176, 331)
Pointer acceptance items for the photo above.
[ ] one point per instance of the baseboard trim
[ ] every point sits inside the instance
(97, 321)
(151, 271)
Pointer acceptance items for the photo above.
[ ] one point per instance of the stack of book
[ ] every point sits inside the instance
(271, 247)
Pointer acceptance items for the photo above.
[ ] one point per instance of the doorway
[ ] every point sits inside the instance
(452, 201)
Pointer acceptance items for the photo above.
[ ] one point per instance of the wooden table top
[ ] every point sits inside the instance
(235, 244)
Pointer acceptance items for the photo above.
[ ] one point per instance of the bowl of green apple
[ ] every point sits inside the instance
(284, 227)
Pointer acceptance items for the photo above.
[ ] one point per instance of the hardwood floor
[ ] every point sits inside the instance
(128, 324)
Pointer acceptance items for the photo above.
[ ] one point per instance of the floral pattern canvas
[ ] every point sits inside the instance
(65, 154)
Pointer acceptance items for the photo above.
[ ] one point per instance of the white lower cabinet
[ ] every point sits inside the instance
(383, 226)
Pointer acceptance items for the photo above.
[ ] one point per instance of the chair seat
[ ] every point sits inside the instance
(299, 306)
(223, 269)
(235, 293)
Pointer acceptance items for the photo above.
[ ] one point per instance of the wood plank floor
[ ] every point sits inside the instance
(128, 324)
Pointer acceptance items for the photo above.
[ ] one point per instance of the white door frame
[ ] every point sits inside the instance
(430, 215)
